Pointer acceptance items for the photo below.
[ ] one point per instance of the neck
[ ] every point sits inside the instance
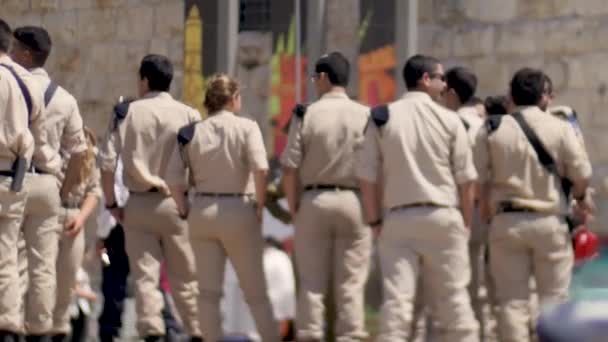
(335, 89)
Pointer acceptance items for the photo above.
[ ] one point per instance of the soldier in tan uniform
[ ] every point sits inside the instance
(416, 156)
(40, 224)
(461, 85)
(227, 165)
(143, 134)
(528, 235)
(31, 48)
(331, 236)
(16, 142)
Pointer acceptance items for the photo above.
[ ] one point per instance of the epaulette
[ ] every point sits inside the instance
(466, 124)
(493, 122)
(300, 110)
(380, 115)
(185, 134)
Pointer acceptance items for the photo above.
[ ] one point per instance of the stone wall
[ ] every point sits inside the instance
(98, 44)
(566, 38)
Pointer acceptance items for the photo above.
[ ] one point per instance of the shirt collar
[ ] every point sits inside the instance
(415, 94)
(334, 95)
(6, 59)
(528, 109)
(159, 94)
(39, 72)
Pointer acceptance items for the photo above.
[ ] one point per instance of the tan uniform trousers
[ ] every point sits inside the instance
(430, 243)
(524, 245)
(12, 209)
(227, 227)
(40, 232)
(69, 260)
(331, 240)
(153, 233)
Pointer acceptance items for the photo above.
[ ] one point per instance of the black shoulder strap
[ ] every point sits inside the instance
(300, 110)
(185, 134)
(380, 115)
(493, 122)
(543, 156)
(49, 93)
(466, 124)
(120, 112)
(26, 93)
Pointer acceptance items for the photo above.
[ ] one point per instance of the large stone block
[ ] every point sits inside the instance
(568, 35)
(78, 4)
(169, 19)
(62, 27)
(97, 25)
(159, 47)
(557, 69)
(44, 5)
(492, 78)
(517, 39)
(435, 40)
(14, 6)
(489, 11)
(135, 23)
(473, 40)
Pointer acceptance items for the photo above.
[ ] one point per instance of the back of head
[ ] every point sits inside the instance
(496, 105)
(36, 40)
(527, 87)
(415, 67)
(158, 70)
(463, 81)
(220, 90)
(336, 66)
(5, 36)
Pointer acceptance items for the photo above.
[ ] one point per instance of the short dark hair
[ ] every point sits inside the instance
(496, 105)
(36, 40)
(415, 67)
(6, 35)
(463, 81)
(336, 66)
(527, 87)
(158, 70)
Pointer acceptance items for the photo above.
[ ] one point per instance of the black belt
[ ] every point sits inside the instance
(143, 192)
(329, 187)
(416, 205)
(220, 194)
(510, 207)
(7, 173)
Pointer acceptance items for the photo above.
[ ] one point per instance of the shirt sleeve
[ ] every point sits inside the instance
(481, 156)
(256, 151)
(177, 169)
(72, 139)
(293, 154)
(45, 157)
(369, 156)
(575, 159)
(93, 186)
(109, 148)
(462, 157)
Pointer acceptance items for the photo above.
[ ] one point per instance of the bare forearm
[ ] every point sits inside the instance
(88, 206)
(290, 187)
(467, 198)
(75, 164)
(259, 178)
(579, 188)
(371, 203)
(107, 184)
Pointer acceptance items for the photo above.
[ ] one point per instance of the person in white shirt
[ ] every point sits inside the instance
(278, 269)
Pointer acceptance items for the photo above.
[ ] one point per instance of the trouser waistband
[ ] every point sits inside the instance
(333, 187)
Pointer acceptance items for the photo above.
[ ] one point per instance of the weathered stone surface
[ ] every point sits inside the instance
(557, 69)
(489, 11)
(44, 5)
(62, 26)
(435, 41)
(15, 6)
(169, 18)
(517, 39)
(568, 36)
(473, 40)
(129, 29)
(96, 25)
(77, 4)
(492, 78)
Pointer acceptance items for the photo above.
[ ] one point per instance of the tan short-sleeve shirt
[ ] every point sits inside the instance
(506, 161)
(422, 152)
(221, 152)
(145, 140)
(322, 144)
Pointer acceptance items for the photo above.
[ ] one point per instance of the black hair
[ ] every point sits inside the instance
(496, 105)
(415, 67)
(336, 66)
(158, 70)
(527, 87)
(5, 36)
(463, 81)
(36, 40)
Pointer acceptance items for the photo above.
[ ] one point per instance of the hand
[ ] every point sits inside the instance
(377, 229)
(73, 226)
(118, 214)
(259, 213)
(584, 210)
(183, 210)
